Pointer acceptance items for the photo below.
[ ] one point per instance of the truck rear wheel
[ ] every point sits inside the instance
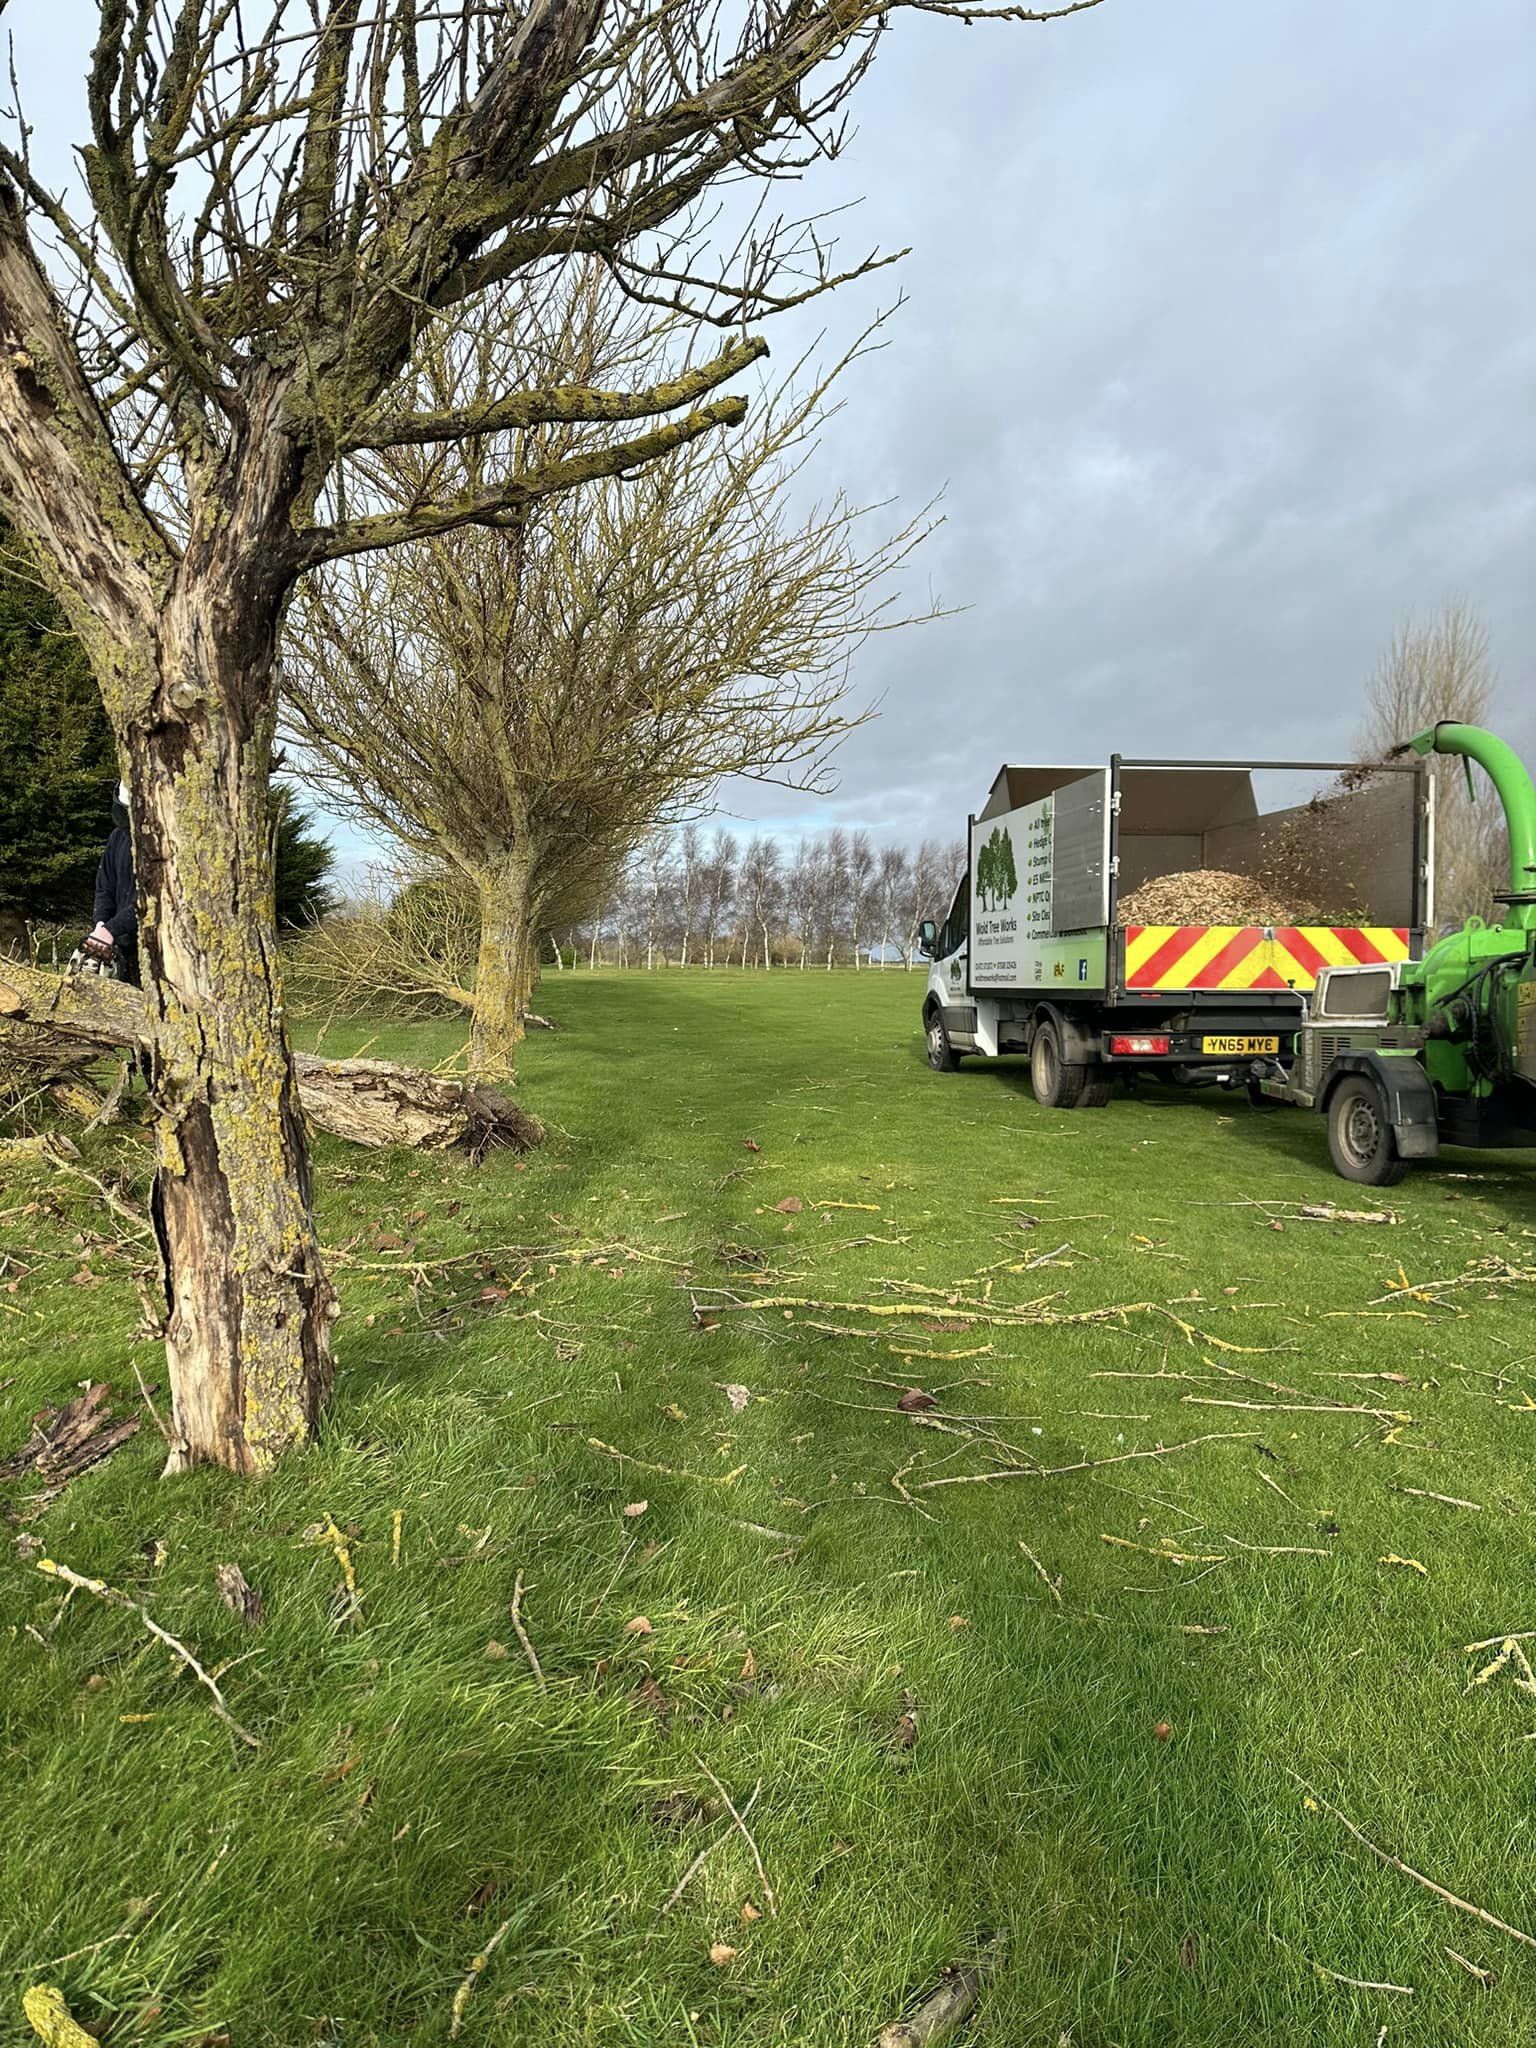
(1060, 1083)
(1361, 1143)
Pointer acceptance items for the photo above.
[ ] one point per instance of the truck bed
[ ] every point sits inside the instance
(1056, 849)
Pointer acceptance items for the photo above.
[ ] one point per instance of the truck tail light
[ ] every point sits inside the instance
(1128, 1044)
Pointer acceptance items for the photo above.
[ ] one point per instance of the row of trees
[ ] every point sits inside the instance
(212, 375)
(707, 898)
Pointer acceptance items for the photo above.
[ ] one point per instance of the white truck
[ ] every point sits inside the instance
(1033, 957)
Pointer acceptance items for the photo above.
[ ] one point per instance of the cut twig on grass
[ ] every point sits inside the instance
(898, 1482)
(739, 1822)
(1510, 1653)
(1446, 1500)
(595, 1443)
(1523, 1635)
(1487, 1978)
(1407, 1870)
(705, 1853)
(522, 1634)
(476, 1971)
(1277, 1549)
(1087, 1464)
(1167, 1556)
(1396, 1415)
(1339, 1976)
(1052, 1586)
(77, 1582)
(349, 1601)
(948, 2007)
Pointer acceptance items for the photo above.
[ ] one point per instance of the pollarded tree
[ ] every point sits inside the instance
(282, 205)
(530, 704)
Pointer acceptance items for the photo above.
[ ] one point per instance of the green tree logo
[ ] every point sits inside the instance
(996, 876)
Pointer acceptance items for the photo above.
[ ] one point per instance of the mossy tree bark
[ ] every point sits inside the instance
(248, 1305)
(505, 971)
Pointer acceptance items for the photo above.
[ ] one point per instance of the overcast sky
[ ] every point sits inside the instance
(1220, 339)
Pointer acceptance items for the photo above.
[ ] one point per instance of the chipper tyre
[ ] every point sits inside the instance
(942, 1056)
(1060, 1083)
(1361, 1143)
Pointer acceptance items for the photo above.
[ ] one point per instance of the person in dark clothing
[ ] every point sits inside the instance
(114, 943)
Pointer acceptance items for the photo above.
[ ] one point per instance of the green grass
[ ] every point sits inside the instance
(412, 1794)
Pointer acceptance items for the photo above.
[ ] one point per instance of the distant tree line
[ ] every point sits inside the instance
(714, 898)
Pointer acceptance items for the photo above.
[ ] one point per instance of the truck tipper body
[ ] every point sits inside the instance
(1035, 958)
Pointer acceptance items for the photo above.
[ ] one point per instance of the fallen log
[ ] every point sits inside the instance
(369, 1102)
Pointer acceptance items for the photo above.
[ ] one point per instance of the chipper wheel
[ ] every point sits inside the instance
(1360, 1138)
(1060, 1083)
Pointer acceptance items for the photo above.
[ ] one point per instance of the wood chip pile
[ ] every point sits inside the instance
(1214, 896)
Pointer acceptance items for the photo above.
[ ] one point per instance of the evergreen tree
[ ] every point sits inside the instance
(58, 761)
(302, 863)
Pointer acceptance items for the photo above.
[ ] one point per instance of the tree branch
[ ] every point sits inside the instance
(491, 508)
(60, 476)
(573, 403)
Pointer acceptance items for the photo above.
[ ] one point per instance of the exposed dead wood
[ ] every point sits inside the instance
(67, 1019)
(238, 1594)
(68, 1441)
(948, 2007)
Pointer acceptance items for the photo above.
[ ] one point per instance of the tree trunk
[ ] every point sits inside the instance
(503, 974)
(248, 1305)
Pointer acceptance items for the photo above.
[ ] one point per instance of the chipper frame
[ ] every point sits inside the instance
(1442, 1050)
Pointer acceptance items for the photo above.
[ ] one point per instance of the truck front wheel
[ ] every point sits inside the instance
(1360, 1138)
(1060, 1083)
(942, 1056)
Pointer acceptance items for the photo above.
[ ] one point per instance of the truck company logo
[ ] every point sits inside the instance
(955, 972)
(997, 878)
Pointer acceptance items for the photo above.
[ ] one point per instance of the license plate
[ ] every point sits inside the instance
(1239, 1045)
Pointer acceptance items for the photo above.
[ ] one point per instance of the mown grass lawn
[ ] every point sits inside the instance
(1112, 1768)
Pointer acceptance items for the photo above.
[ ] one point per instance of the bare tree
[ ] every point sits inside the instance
(529, 703)
(803, 895)
(759, 893)
(891, 875)
(861, 881)
(719, 888)
(655, 872)
(1439, 671)
(280, 214)
(689, 861)
(924, 895)
(834, 887)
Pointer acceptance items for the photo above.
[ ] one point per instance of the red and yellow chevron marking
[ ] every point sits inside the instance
(1246, 956)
